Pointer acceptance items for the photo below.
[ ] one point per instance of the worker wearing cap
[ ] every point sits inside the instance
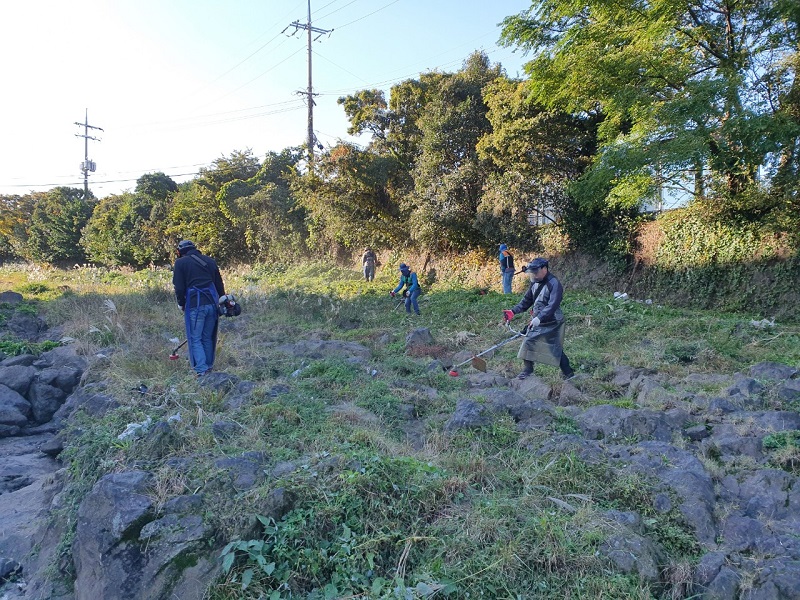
(198, 287)
(544, 340)
(408, 278)
(506, 268)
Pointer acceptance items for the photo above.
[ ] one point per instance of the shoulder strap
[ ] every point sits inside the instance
(201, 261)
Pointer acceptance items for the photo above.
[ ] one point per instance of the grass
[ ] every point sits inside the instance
(477, 513)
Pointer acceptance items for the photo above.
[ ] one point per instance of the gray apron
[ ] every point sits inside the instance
(544, 344)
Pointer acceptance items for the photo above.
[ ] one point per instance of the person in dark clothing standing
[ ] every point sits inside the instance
(198, 287)
(368, 261)
(544, 340)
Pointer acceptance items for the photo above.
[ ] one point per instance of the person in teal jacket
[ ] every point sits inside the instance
(408, 278)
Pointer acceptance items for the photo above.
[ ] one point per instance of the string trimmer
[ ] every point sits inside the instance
(174, 355)
(479, 363)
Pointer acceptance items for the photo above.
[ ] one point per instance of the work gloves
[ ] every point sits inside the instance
(392, 294)
(508, 315)
(534, 323)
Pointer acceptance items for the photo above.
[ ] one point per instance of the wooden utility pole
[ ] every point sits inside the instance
(87, 165)
(310, 90)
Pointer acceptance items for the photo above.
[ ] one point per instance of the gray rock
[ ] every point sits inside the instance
(633, 553)
(740, 534)
(421, 336)
(12, 298)
(244, 472)
(90, 399)
(778, 579)
(725, 586)
(772, 370)
(124, 551)
(11, 398)
(8, 568)
(223, 430)
(767, 494)
(26, 327)
(790, 390)
(697, 433)
(532, 387)
(17, 377)
(45, 401)
(746, 386)
(64, 378)
(606, 422)
(469, 415)
(24, 360)
(323, 348)
(728, 442)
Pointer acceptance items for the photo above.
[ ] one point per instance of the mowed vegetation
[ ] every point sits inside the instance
(481, 513)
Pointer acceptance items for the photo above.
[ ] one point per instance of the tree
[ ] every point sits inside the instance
(196, 212)
(54, 231)
(15, 212)
(449, 176)
(536, 153)
(264, 208)
(352, 200)
(696, 89)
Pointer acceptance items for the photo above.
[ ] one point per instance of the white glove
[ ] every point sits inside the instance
(535, 322)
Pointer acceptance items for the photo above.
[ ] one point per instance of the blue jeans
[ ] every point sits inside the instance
(411, 300)
(508, 276)
(201, 336)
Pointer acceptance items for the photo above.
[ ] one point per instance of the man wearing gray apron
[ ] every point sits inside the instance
(544, 340)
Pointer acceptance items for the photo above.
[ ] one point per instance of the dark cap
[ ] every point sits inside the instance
(403, 267)
(185, 245)
(537, 263)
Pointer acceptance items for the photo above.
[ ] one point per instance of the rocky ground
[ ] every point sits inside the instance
(706, 441)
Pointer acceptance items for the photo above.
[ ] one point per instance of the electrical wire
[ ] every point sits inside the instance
(367, 15)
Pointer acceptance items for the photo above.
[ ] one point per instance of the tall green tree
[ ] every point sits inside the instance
(56, 223)
(197, 214)
(536, 154)
(352, 199)
(694, 89)
(449, 176)
(264, 209)
(15, 213)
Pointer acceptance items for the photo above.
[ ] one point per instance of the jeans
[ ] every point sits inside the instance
(201, 336)
(508, 276)
(369, 272)
(411, 300)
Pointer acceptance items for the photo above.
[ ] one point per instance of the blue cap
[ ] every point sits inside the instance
(503, 247)
(403, 267)
(537, 263)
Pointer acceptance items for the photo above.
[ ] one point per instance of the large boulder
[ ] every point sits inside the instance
(124, 549)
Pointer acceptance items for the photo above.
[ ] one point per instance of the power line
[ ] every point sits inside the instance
(367, 15)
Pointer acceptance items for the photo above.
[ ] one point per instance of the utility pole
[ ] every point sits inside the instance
(310, 91)
(87, 165)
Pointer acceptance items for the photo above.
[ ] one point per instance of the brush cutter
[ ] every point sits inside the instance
(174, 355)
(480, 363)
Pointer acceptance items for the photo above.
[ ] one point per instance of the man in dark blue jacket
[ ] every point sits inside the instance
(198, 287)
(544, 341)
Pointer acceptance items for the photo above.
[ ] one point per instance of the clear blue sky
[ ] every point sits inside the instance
(176, 84)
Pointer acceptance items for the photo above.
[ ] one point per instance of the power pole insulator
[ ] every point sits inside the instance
(310, 91)
(87, 165)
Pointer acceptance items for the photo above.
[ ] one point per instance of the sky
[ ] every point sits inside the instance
(176, 84)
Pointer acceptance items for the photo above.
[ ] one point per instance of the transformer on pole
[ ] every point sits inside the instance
(87, 165)
(310, 90)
